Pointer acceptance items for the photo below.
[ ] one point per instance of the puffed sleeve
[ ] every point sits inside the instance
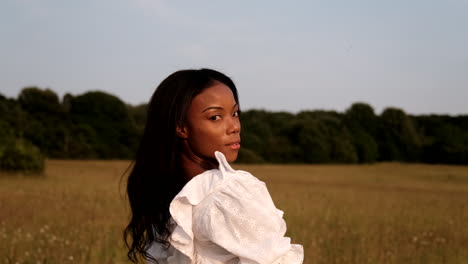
(241, 217)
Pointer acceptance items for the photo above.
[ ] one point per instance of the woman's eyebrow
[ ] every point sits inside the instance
(213, 107)
(217, 108)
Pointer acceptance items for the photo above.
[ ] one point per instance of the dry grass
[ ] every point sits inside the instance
(384, 213)
(75, 214)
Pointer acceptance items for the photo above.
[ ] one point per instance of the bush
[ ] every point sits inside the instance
(21, 156)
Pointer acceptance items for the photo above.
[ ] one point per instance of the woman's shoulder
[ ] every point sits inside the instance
(233, 210)
(216, 181)
(211, 185)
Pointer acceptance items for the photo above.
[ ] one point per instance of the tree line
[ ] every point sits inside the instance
(98, 125)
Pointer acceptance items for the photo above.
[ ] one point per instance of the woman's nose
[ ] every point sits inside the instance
(234, 125)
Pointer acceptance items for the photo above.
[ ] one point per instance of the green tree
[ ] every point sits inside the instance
(255, 133)
(39, 102)
(13, 116)
(45, 125)
(7, 135)
(138, 114)
(362, 124)
(311, 141)
(444, 139)
(103, 122)
(323, 137)
(21, 156)
(397, 136)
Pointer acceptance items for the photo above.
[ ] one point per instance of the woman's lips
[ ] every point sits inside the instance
(235, 145)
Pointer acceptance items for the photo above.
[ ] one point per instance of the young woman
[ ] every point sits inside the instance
(188, 205)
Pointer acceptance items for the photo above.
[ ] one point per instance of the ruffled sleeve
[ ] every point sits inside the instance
(182, 210)
(228, 216)
(240, 217)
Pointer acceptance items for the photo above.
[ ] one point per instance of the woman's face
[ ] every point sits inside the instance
(213, 123)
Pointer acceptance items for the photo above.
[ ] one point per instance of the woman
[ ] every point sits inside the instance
(188, 205)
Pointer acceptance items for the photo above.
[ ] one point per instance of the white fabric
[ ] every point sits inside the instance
(227, 216)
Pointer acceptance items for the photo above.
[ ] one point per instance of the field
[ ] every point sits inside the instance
(382, 213)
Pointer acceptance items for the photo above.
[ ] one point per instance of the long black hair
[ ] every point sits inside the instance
(157, 174)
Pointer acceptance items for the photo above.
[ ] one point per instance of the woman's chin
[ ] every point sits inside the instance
(231, 156)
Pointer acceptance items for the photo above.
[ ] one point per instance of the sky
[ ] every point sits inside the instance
(282, 55)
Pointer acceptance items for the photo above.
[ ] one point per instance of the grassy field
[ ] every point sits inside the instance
(383, 213)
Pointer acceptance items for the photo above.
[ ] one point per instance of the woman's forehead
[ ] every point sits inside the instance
(217, 95)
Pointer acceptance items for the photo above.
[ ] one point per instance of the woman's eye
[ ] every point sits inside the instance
(215, 117)
(236, 114)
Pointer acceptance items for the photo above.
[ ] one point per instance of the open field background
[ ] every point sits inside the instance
(382, 213)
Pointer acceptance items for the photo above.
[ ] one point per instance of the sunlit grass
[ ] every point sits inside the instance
(383, 213)
(75, 214)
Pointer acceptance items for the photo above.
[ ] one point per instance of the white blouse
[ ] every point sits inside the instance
(226, 216)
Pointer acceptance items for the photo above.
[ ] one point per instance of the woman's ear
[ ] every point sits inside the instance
(182, 131)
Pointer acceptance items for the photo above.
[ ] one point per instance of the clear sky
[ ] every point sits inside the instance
(283, 55)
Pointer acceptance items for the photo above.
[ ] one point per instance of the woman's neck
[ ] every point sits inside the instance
(194, 165)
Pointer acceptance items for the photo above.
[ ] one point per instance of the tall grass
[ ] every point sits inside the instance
(383, 213)
(74, 214)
